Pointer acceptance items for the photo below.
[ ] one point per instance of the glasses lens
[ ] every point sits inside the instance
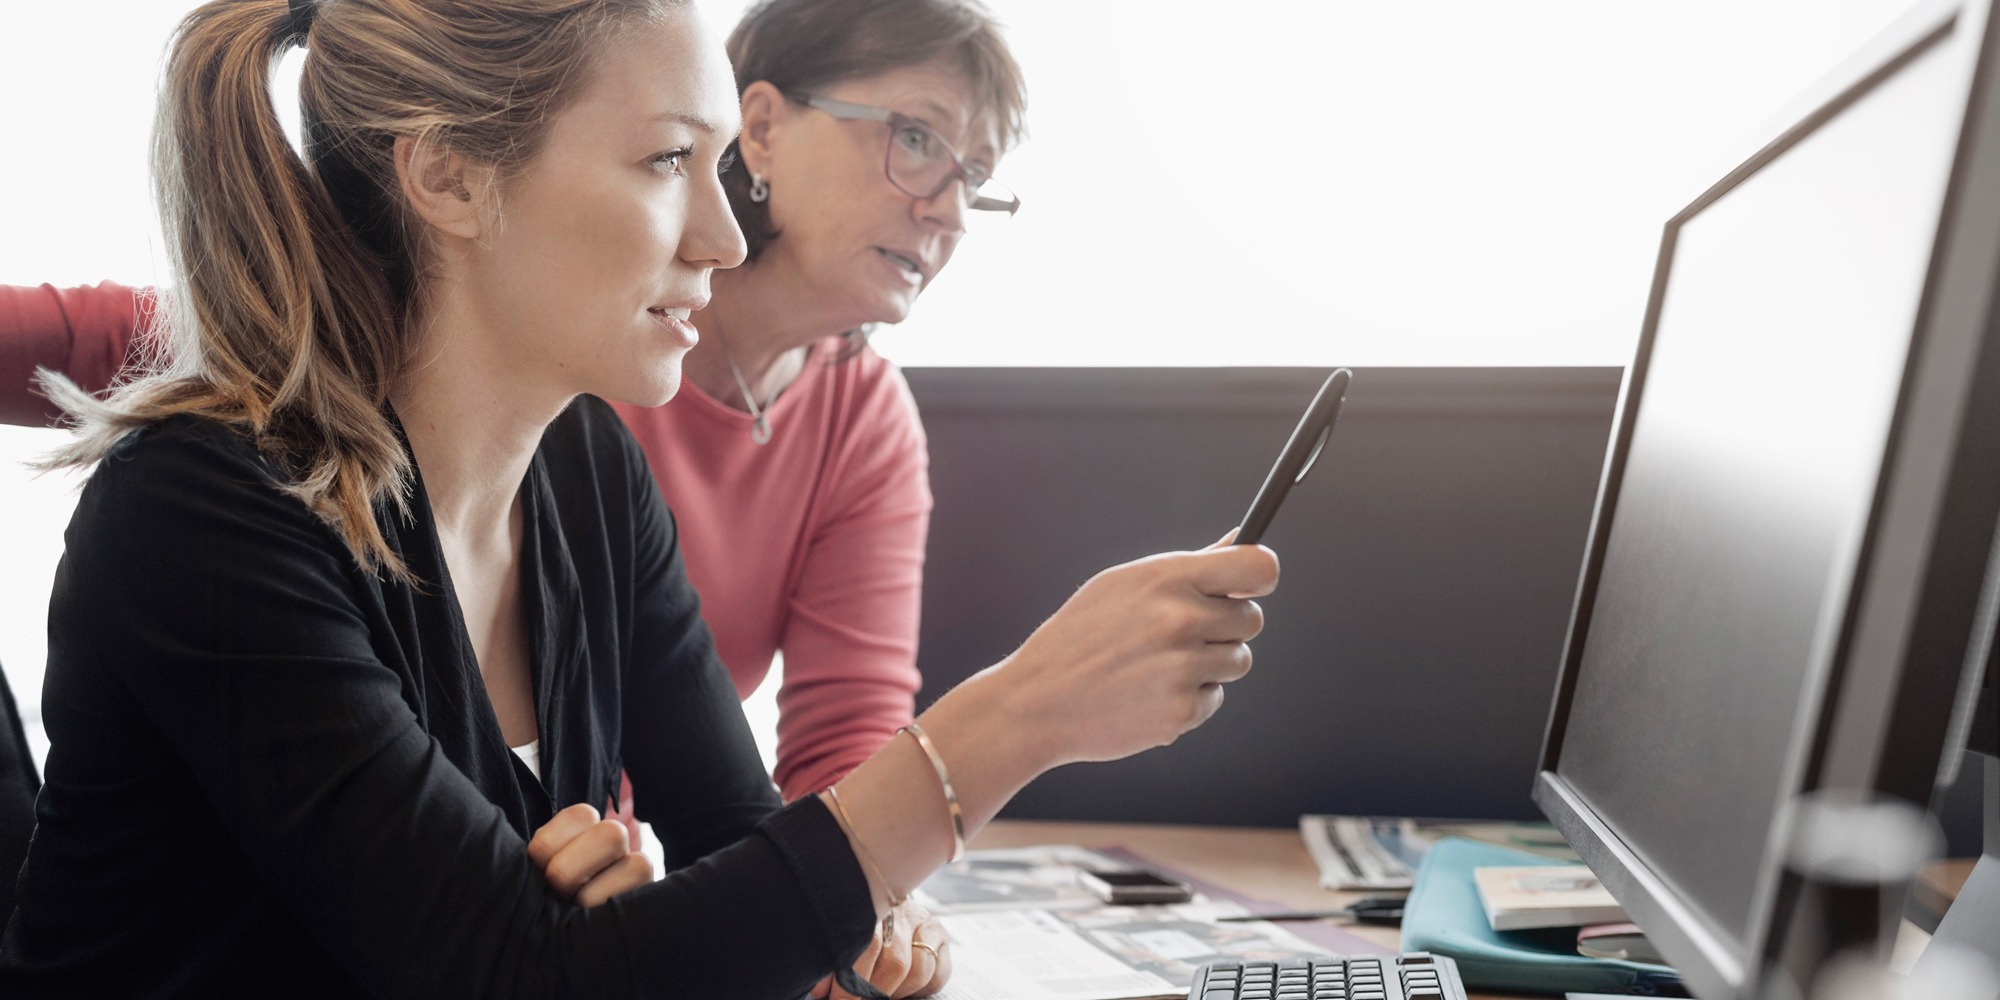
(919, 162)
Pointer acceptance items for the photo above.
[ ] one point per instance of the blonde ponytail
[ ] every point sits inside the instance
(299, 285)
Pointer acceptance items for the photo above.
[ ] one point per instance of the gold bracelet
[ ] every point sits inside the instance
(944, 781)
(867, 861)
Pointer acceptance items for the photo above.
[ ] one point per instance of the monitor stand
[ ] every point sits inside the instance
(1972, 923)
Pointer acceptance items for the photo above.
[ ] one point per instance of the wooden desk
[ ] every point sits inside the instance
(1257, 862)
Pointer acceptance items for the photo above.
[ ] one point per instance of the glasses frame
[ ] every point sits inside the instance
(850, 111)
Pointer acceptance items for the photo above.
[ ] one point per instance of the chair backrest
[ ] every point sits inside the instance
(19, 784)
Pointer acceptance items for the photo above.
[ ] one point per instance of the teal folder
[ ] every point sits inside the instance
(1444, 915)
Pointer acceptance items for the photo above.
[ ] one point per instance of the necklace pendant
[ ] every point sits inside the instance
(760, 430)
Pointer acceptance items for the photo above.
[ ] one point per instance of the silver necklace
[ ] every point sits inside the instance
(760, 420)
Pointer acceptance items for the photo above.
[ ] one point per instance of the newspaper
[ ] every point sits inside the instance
(1104, 953)
(1383, 852)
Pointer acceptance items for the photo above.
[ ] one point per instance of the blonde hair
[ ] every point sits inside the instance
(301, 280)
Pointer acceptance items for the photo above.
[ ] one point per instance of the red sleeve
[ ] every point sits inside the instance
(85, 333)
(850, 642)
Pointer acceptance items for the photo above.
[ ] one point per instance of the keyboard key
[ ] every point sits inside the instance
(1229, 994)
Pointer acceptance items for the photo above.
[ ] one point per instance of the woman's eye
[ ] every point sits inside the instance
(674, 159)
(915, 140)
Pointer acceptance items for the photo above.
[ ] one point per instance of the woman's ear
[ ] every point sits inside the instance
(447, 191)
(764, 109)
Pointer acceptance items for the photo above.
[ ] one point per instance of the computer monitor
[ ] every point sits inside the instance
(1788, 562)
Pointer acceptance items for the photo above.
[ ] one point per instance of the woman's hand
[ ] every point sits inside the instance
(1139, 654)
(915, 963)
(587, 860)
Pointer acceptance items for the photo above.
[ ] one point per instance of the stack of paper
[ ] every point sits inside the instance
(1520, 899)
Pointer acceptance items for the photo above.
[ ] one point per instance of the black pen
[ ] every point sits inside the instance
(1374, 910)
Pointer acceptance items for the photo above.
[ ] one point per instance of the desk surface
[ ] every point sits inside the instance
(1260, 863)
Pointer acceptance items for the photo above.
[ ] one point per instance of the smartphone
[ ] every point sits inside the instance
(1133, 887)
(1301, 452)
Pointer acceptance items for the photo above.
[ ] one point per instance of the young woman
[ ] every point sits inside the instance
(794, 455)
(368, 584)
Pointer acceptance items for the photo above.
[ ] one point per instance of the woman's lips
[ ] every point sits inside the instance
(676, 323)
(910, 268)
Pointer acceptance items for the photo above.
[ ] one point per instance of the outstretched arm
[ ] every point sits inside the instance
(88, 333)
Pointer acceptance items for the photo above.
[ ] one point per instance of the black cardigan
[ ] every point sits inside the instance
(272, 770)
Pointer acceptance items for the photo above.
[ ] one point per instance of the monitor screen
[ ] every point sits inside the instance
(1764, 405)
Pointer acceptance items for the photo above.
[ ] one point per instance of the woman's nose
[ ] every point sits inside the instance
(713, 238)
(947, 208)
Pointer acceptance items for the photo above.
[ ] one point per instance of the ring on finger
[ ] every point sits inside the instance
(919, 944)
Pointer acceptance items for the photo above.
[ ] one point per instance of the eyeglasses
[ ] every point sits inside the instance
(919, 162)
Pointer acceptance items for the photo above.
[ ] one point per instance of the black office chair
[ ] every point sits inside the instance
(19, 784)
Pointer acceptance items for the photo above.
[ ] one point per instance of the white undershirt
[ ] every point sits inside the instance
(531, 755)
(649, 843)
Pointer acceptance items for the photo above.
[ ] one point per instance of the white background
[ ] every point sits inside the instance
(1269, 182)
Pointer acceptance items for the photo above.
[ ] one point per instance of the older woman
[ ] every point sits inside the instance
(795, 459)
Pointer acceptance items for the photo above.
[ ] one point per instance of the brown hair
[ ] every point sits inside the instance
(799, 45)
(302, 280)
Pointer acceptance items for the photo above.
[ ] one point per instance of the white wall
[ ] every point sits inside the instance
(1258, 182)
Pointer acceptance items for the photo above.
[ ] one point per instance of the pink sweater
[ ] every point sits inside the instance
(812, 544)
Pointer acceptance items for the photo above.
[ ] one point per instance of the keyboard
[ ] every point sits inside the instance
(1409, 976)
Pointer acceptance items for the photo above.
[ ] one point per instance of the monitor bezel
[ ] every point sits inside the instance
(1878, 726)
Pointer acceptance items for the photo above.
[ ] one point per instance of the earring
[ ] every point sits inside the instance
(759, 191)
